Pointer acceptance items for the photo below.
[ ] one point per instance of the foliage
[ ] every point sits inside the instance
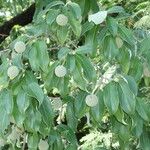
(87, 53)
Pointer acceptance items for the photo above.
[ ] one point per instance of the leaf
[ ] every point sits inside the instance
(75, 24)
(63, 52)
(46, 111)
(70, 116)
(62, 34)
(110, 49)
(23, 101)
(132, 84)
(6, 101)
(115, 9)
(88, 68)
(142, 109)
(112, 26)
(51, 16)
(33, 141)
(70, 63)
(98, 111)
(98, 17)
(80, 105)
(111, 97)
(127, 98)
(5, 120)
(35, 91)
(75, 8)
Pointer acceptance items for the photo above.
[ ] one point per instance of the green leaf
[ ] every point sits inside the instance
(111, 97)
(62, 34)
(127, 98)
(5, 120)
(110, 48)
(70, 116)
(75, 24)
(112, 26)
(37, 54)
(142, 109)
(35, 91)
(88, 67)
(75, 8)
(51, 16)
(115, 9)
(70, 63)
(46, 111)
(63, 52)
(80, 105)
(33, 141)
(98, 111)
(6, 101)
(23, 101)
(32, 125)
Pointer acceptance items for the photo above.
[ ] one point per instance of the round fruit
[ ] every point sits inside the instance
(60, 71)
(91, 100)
(43, 145)
(12, 72)
(119, 42)
(57, 103)
(20, 47)
(62, 20)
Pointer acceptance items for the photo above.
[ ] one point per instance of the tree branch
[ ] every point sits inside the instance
(22, 19)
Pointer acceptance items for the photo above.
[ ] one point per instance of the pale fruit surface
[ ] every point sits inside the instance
(12, 72)
(62, 20)
(60, 71)
(119, 42)
(43, 145)
(57, 103)
(91, 100)
(20, 47)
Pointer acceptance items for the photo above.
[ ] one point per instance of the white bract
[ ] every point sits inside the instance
(98, 17)
(12, 72)
(43, 145)
(19, 47)
(91, 100)
(62, 20)
(119, 42)
(60, 71)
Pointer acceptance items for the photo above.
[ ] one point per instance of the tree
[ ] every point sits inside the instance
(76, 69)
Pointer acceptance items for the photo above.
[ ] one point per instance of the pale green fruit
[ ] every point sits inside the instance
(12, 72)
(60, 71)
(43, 145)
(62, 20)
(91, 100)
(119, 42)
(19, 47)
(57, 103)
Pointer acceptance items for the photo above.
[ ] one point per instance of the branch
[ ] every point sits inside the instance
(22, 19)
